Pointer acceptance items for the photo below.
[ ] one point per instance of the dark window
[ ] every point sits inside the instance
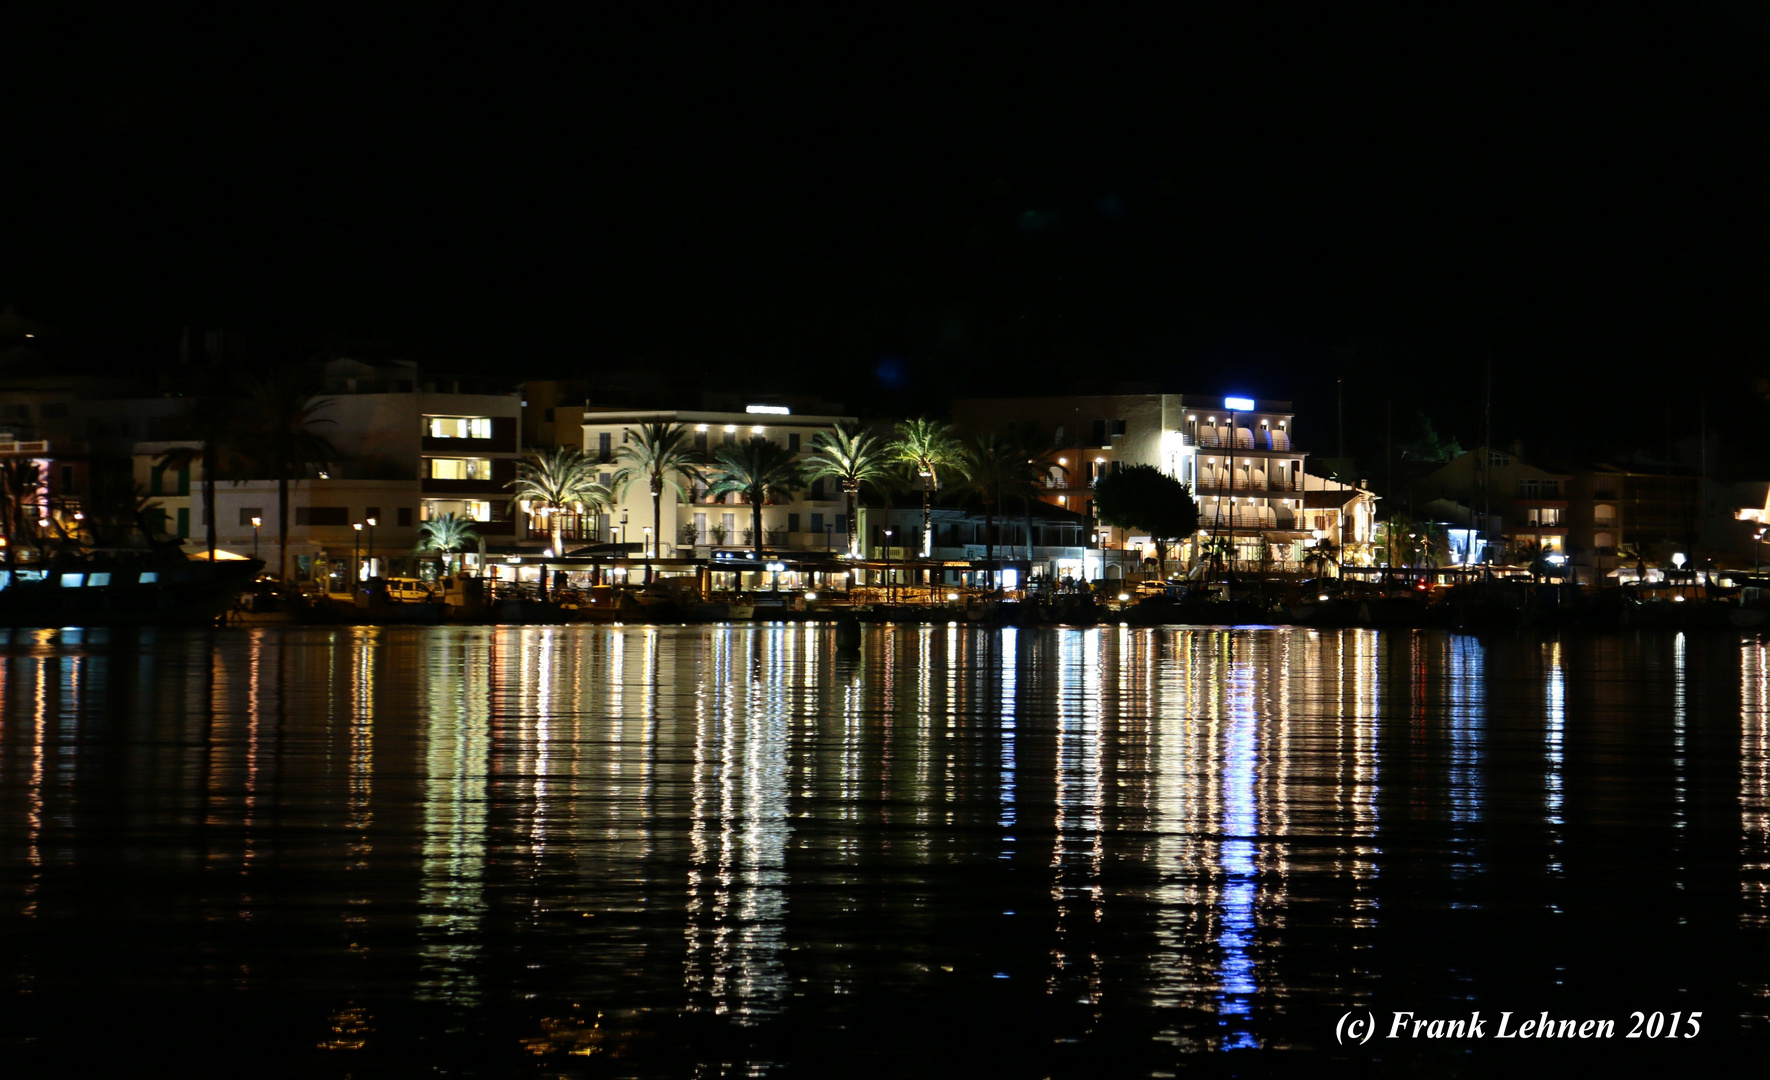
(1099, 433)
(700, 441)
(817, 523)
(605, 446)
(793, 442)
(405, 515)
(247, 513)
(322, 515)
(817, 490)
(1118, 427)
(793, 519)
(67, 479)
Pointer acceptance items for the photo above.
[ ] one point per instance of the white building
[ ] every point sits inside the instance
(812, 519)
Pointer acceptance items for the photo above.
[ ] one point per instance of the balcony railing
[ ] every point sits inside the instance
(1222, 483)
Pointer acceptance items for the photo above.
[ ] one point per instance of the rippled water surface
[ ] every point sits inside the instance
(712, 851)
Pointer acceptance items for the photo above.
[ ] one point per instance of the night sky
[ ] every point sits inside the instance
(895, 207)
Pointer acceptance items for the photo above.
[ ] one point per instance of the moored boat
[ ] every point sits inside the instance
(121, 587)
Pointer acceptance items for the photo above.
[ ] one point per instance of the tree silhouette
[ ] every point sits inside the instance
(1144, 497)
(284, 445)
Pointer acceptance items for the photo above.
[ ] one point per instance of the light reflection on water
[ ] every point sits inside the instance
(1149, 841)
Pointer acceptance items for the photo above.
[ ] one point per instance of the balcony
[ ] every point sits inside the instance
(1244, 439)
(1239, 486)
(487, 488)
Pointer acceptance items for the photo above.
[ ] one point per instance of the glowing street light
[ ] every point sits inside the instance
(888, 574)
(356, 551)
(371, 522)
(256, 521)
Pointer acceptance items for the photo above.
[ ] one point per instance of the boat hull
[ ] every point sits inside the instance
(178, 592)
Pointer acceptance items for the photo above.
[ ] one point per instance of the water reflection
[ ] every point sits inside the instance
(1176, 839)
(1754, 812)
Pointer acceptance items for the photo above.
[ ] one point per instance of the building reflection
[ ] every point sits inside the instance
(457, 765)
(1754, 811)
(738, 825)
(1212, 831)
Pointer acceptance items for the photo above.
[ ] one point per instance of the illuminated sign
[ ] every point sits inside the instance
(772, 410)
(1239, 404)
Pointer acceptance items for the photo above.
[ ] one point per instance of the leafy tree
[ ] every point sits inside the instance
(284, 443)
(658, 453)
(444, 534)
(553, 483)
(756, 470)
(1144, 497)
(997, 469)
(1420, 442)
(925, 447)
(1534, 556)
(851, 456)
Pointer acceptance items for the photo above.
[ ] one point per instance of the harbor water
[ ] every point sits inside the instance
(740, 851)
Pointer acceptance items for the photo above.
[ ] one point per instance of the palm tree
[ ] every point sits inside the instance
(996, 469)
(1323, 555)
(851, 456)
(217, 426)
(285, 445)
(444, 534)
(660, 451)
(756, 470)
(551, 484)
(927, 446)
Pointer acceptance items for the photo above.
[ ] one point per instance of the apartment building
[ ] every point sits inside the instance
(1238, 455)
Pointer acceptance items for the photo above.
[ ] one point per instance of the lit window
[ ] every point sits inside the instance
(149, 577)
(460, 469)
(99, 579)
(72, 581)
(460, 427)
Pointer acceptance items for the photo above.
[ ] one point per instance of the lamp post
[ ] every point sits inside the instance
(1758, 550)
(647, 551)
(256, 521)
(356, 551)
(888, 581)
(371, 522)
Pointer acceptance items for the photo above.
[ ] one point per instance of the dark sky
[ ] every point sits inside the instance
(889, 208)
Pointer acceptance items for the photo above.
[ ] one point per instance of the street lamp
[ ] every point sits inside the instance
(371, 522)
(646, 549)
(888, 580)
(356, 552)
(1758, 550)
(256, 521)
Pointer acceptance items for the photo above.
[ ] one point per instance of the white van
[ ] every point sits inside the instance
(408, 590)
